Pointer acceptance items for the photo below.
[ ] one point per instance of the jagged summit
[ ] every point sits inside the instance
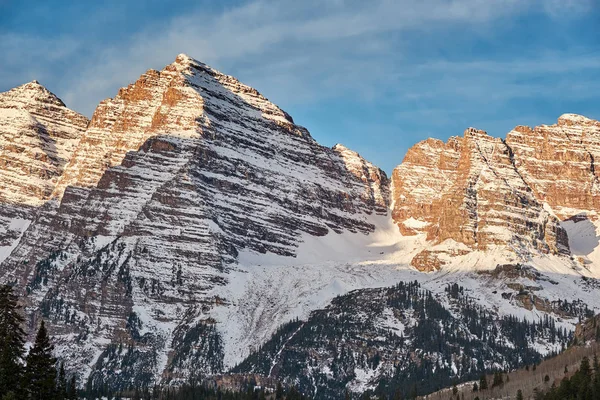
(471, 131)
(339, 147)
(32, 91)
(485, 192)
(184, 99)
(185, 60)
(38, 135)
(178, 180)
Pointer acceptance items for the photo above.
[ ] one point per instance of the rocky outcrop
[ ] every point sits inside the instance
(558, 162)
(38, 135)
(470, 190)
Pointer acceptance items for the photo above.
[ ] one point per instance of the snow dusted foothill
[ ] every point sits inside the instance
(173, 234)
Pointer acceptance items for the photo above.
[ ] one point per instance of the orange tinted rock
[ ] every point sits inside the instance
(469, 190)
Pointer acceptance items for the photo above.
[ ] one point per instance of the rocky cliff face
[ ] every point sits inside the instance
(558, 163)
(482, 192)
(38, 137)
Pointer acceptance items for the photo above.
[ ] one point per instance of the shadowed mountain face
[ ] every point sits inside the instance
(171, 235)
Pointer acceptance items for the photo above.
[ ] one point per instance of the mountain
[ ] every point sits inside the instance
(401, 338)
(173, 179)
(191, 228)
(522, 193)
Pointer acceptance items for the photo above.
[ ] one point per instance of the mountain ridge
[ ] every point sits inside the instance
(193, 217)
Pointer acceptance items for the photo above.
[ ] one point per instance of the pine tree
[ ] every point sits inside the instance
(11, 342)
(584, 367)
(519, 395)
(497, 379)
(72, 390)
(61, 386)
(40, 372)
(483, 385)
(279, 392)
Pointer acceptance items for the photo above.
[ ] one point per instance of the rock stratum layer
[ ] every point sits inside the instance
(171, 234)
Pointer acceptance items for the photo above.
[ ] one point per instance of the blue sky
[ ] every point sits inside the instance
(377, 76)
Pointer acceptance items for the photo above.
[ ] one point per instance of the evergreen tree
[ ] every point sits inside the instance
(279, 392)
(61, 387)
(40, 372)
(72, 389)
(10, 396)
(584, 367)
(497, 379)
(519, 395)
(11, 342)
(483, 385)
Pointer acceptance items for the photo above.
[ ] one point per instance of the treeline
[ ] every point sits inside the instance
(204, 392)
(29, 375)
(199, 391)
(583, 385)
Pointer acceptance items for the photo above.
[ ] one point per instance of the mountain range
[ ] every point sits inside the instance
(191, 229)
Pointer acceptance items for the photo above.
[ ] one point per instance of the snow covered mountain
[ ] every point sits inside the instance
(174, 233)
(171, 180)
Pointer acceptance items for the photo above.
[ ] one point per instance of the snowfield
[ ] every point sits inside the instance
(267, 290)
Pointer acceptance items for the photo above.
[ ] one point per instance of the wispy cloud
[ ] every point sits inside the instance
(280, 45)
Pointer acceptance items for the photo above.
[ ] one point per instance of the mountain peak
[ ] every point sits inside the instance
(475, 132)
(575, 119)
(183, 58)
(35, 91)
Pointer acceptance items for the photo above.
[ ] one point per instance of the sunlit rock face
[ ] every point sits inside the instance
(476, 190)
(558, 162)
